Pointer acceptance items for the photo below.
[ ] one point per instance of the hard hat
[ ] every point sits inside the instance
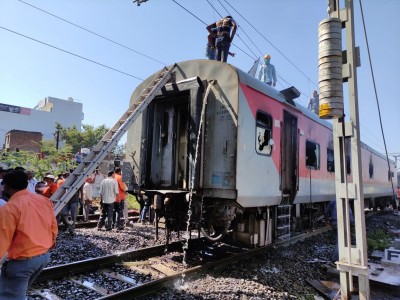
(267, 56)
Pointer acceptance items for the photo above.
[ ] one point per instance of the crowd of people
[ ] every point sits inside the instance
(29, 227)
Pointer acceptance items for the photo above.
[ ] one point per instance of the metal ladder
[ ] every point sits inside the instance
(283, 215)
(75, 181)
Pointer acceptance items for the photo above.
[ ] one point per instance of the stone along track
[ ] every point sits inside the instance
(138, 273)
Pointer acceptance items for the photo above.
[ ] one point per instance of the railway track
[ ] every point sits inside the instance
(140, 272)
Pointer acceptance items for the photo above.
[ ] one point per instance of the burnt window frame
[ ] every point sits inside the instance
(265, 127)
(317, 164)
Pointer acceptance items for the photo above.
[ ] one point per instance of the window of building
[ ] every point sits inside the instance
(330, 160)
(312, 155)
(264, 140)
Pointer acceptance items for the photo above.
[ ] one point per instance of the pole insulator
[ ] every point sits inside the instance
(330, 79)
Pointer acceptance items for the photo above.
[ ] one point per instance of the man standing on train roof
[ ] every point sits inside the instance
(221, 30)
(267, 72)
(28, 229)
(313, 103)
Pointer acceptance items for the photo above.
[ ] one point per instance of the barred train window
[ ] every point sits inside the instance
(312, 155)
(264, 140)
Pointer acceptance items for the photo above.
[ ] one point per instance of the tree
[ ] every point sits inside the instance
(50, 160)
(87, 138)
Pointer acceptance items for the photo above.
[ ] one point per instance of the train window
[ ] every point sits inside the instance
(312, 155)
(330, 160)
(264, 140)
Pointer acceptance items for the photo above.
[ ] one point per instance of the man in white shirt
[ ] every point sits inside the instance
(87, 198)
(31, 181)
(108, 193)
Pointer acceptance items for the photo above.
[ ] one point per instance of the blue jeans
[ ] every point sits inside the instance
(18, 275)
(145, 209)
(223, 49)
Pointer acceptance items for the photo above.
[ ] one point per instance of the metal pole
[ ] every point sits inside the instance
(352, 258)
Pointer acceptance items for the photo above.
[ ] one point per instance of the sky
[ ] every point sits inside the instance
(162, 32)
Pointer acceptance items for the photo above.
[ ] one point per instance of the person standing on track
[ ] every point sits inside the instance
(331, 217)
(108, 193)
(120, 207)
(28, 229)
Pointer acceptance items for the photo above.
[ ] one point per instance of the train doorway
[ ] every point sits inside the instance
(170, 143)
(289, 157)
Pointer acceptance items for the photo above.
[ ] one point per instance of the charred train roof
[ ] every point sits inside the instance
(228, 77)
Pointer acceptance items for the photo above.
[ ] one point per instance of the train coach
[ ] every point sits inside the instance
(221, 151)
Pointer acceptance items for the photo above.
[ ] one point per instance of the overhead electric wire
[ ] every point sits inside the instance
(242, 29)
(255, 55)
(71, 53)
(375, 90)
(92, 32)
(206, 25)
(276, 48)
(191, 13)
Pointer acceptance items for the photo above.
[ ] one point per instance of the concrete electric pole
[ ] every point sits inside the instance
(336, 67)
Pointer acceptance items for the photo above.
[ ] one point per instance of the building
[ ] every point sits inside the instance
(23, 140)
(42, 118)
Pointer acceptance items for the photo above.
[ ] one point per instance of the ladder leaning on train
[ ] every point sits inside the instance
(109, 140)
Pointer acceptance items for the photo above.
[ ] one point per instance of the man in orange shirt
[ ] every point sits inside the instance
(51, 186)
(28, 229)
(120, 199)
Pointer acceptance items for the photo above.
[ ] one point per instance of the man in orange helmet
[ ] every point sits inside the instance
(267, 72)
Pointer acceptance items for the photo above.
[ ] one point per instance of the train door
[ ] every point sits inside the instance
(289, 157)
(169, 151)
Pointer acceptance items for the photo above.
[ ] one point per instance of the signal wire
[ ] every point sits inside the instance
(376, 93)
(92, 32)
(276, 48)
(87, 59)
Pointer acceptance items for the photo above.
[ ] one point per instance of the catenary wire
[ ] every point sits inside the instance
(92, 32)
(375, 90)
(304, 94)
(238, 35)
(276, 48)
(212, 6)
(71, 53)
(242, 29)
(206, 25)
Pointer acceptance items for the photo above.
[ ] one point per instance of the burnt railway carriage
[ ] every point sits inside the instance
(239, 153)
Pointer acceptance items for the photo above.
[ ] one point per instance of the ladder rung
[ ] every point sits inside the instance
(65, 186)
(283, 216)
(283, 227)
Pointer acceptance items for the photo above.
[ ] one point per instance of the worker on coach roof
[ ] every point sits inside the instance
(267, 72)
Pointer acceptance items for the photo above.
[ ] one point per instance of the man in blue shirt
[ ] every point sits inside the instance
(267, 72)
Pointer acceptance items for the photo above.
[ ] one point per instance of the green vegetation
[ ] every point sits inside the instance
(377, 240)
(131, 202)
